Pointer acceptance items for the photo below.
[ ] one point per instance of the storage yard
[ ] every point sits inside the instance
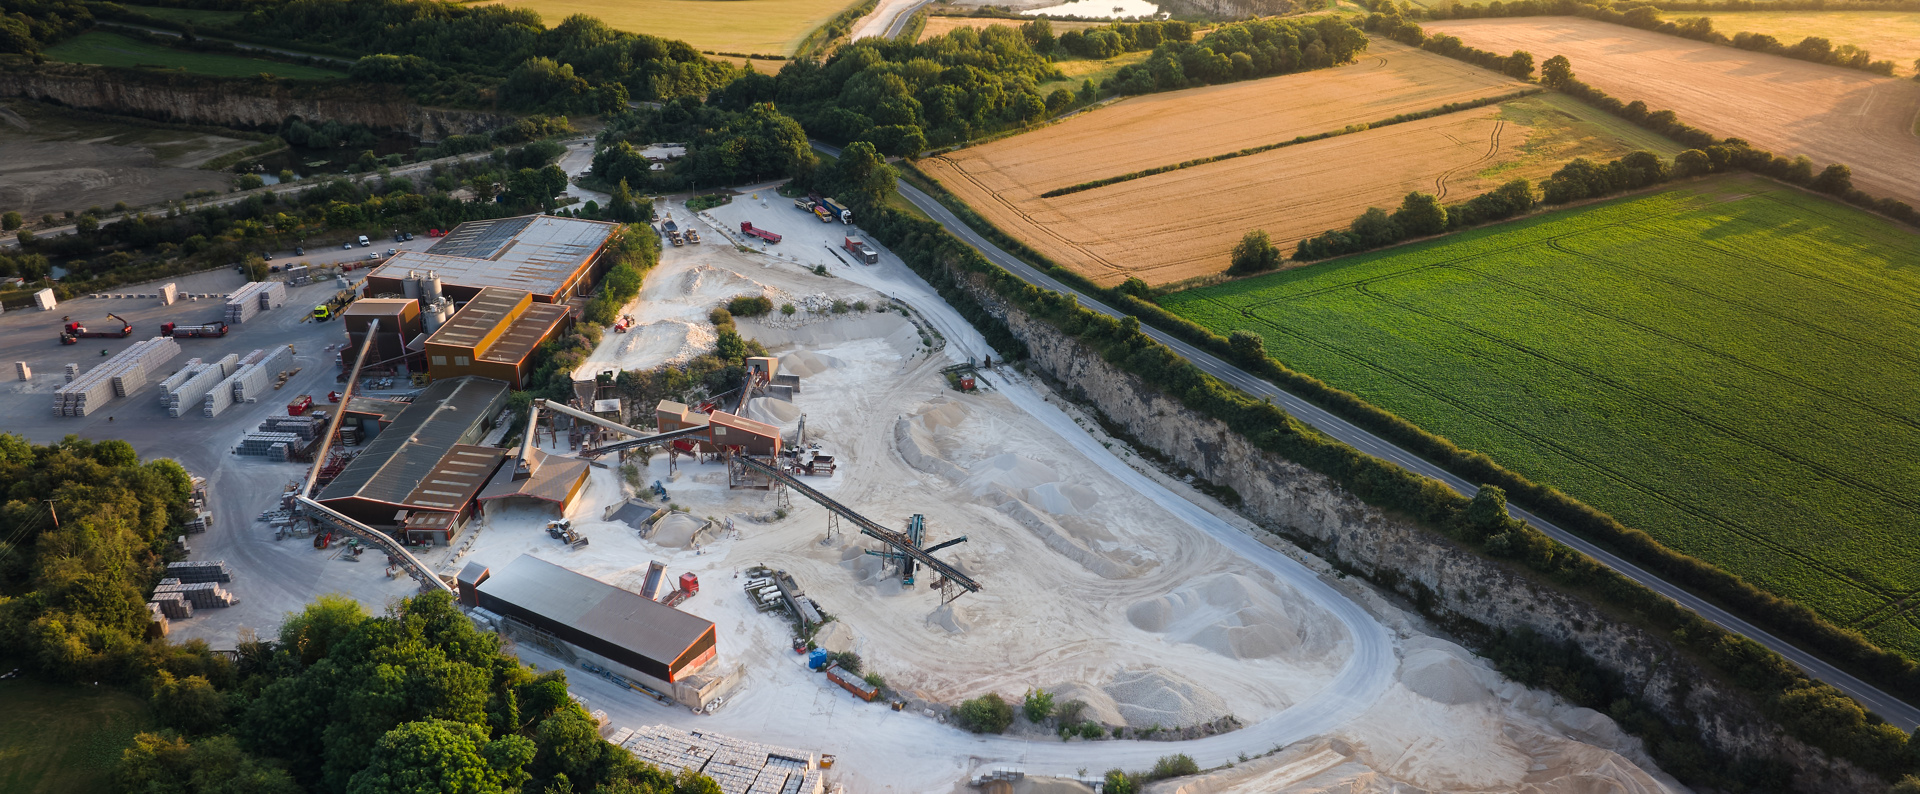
(961, 542)
(1787, 106)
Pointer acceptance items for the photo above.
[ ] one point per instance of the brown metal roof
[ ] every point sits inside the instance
(456, 477)
(469, 326)
(555, 478)
(526, 333)
(763, 429)
(622, 617)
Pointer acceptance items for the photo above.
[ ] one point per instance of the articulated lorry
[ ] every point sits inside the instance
(837, 212)
(73, 332)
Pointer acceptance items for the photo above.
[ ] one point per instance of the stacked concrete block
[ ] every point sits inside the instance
(256, 374)
(45, 300)
(193, 390)
(21, 369)
(169, 294)
(205, 595)
(174, 605)
(738, 766)
(119, 376)
(244, 303)
(198, 571)
(73, 371)
(171, 382)
(219, 398)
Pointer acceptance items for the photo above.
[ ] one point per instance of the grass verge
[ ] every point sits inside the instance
(56, 739)
(101, 48)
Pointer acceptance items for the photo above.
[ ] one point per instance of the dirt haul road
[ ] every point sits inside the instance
(1179, 225)
(1789, 107)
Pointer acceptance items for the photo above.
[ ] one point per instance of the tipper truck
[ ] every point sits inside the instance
(179, 331)
(861, 250)
(72, 333)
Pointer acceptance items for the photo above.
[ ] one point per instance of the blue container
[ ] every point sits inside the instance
(817, 659)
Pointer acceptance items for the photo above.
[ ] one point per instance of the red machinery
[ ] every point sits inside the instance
(747, 227)
(299, 405)
(73, 332)
(179, 331)
(333, 396)
(689, 583)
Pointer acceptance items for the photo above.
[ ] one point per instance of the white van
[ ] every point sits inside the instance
(364, 242)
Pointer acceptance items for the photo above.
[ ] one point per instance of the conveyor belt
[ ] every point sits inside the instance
(890, 537)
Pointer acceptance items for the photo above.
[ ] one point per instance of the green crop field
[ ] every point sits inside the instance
(1731, 365)
(56, 738)
(765, 27)
(111, 49)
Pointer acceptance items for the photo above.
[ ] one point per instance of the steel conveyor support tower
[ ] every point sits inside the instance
(950, 577)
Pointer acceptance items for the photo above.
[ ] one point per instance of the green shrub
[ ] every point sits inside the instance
(1038, 705)
(1091, 730)
(1119, 782)
(984, 714)
(750, 306)
(787, 309)
(1173, 766)
(846, 660)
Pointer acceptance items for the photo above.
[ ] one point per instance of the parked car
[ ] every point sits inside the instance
(299, 252)
(347, 246)
(364, 242)
(373, 256)
(392, 251)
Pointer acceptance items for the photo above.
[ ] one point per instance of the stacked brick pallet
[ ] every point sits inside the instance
(273, 446)
(253, 299)
(119, 376)
(205, 595)
(739, 767)
(200, 571)
(173, 605)
(158, 617)
(171, 382)
(306, 427)
(250, 380)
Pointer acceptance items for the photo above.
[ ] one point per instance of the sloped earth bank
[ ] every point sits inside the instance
(1102, 580)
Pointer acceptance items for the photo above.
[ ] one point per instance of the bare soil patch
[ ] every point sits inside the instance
(51, 161)
(1791, 107)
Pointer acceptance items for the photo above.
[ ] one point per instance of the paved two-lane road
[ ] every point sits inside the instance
(1890, 708)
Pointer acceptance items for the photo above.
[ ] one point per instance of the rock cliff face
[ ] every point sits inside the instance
(256, 103)
(1452, 584)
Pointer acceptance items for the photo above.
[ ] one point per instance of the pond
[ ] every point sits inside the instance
(1099, 9)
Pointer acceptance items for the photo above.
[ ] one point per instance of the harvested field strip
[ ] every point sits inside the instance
(1889, 35)
(1726, 365)
(764, 27)
(1293, 192)
(1143, 132)
(1127, 229)
(1787, 106)
(1400, 119)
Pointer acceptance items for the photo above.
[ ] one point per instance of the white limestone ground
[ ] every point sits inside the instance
(1092, 589)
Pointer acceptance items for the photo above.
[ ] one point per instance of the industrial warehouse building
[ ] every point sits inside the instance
(494, 336)
(724, 429)
(553, 259)
(644, 636)
(421, 475)
(399, 324)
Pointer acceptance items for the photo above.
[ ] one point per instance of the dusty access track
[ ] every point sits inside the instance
(1790, 107)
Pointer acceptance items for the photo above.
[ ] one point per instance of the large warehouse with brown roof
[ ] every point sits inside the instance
(425, 462)
(494, 336)
(618, 625)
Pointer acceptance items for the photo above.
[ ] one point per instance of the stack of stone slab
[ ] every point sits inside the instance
(119, 376)
(205, 595)
(21, 369)
(306, 427)
(199, 571)
(253, 379)
(253, 299)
